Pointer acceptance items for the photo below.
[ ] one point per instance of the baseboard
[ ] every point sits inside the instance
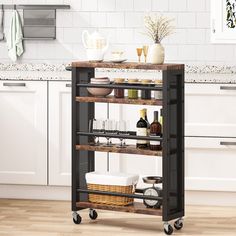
(205, 198)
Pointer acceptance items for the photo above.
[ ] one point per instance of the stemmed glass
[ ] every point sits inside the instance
(145, 52)
(97, 127)
(110, 128)
(121, 126)
(139, 53)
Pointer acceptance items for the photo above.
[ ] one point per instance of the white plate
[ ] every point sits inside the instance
(117, 60)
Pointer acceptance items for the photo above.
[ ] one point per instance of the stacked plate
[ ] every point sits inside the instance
(100, 92)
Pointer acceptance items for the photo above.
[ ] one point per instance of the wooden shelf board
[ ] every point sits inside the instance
(112, 99)
(137, 207)
(131, 149)
(127, 65)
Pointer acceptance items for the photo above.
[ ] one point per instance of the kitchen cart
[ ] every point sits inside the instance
(172, 140)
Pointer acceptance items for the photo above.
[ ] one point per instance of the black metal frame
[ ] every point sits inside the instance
(172, 140)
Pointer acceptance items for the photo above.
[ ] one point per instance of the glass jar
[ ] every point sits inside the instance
(133, 93)
(146, 93)
(119, 92)
(158, 93)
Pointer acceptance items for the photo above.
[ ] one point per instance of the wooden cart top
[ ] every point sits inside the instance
(127, 65)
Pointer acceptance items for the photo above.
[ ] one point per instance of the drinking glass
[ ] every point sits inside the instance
(127, 125)
(145, 52)
(139, 53)
(110, 128)
(97, 127)
(121, 127)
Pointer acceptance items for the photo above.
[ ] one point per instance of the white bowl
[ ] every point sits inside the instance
(99, 92)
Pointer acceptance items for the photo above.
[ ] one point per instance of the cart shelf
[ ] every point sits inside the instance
(135, 208)
(130, 149)
(112, 99)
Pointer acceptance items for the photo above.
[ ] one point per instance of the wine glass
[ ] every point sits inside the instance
(110, 128)
(121, 126)
(145, 52)
(97, 127)
(139, 53)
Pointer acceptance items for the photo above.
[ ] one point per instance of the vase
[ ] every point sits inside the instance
(157, 54)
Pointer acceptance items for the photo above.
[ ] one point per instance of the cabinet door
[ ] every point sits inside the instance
(23, 136)
(60, 133)
(210, 164)
(210, 110)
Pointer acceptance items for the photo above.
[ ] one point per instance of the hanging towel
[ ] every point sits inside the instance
(15, 37)
(2, 23)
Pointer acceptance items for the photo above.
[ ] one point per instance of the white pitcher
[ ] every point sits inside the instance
(96, 45)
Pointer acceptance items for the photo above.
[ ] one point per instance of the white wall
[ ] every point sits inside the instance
(123, 19)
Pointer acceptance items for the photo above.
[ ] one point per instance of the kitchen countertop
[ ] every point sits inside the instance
(57, 72)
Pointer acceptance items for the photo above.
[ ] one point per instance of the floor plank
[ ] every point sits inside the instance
(53, 218)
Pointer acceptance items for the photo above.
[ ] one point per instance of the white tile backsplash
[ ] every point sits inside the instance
(122, 20)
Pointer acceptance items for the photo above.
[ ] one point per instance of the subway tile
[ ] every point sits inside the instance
(134, 19)
(196, 36)
(81, 19)
(203, 20)
(178, 5)
(64, 19)
(186, 20)
(98, 19)
(89, 5)
(106, 5)
(160, 5)
(196, 6)
(187, 52)
(125, 5)
(115, 19)
(125, 36)
(140, 5)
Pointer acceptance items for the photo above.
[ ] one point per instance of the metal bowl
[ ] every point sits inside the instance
(152, 180)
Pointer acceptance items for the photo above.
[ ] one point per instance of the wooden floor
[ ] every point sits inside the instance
(53, 218)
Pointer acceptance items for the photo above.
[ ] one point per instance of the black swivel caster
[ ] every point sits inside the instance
(179, 224)
(168, 229)
(93, 214)
(76, 218)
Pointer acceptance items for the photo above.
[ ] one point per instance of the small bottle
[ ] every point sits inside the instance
(133, 93)
(155, 131)
(148, 125)
(141, 130)
(119, 93)
(158, 93)
(146, 93)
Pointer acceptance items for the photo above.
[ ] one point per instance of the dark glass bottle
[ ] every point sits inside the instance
(146, 94)
(142, 130)
(148, 125)
(155, 131)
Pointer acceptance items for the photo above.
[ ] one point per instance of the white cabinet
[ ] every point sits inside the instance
(210, 110)
(210, 120)
(23, 136)
(210, 164)
(59, 129)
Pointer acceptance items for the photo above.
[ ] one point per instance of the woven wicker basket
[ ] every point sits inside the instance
(111, 200)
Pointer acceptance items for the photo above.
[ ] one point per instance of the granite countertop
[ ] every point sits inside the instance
(57, 72)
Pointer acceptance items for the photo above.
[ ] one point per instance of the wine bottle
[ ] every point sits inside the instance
(141, 130)
(155, 131)
(148, 125)
(161, 120)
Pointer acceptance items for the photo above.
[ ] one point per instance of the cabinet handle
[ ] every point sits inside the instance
(228, 143)
(227, 87)
(14, 84)
(68, 85)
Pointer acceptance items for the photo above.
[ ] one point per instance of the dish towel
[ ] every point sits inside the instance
(1, 23)
(15, 37)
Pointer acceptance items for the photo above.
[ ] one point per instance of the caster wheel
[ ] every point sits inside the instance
(168, 229)
(178, 224)
(77, 218)
(93, 214)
